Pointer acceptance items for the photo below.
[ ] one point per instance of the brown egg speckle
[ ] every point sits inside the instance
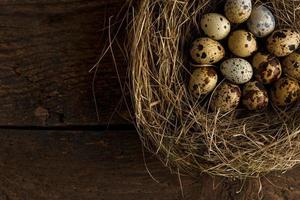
(285, 91)
(226, 97)
(238, 11)
(255, 96)
(291, 65)
(203, 80)
(283, 42)
(242, 43)
(206, 51)
(267, 67)
(215, 26)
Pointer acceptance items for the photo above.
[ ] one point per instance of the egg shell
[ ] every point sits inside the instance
(226, 97)
(237, 70)
(203, 80)
(283, 42)
(215, 26)
(238, 11)
(206, 51)
(242, 43)
(261, 22)
(267, 67)
(285, 91)
(291, 65)
(255, 96)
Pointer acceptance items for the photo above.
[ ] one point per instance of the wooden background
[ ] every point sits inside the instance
(52, 144)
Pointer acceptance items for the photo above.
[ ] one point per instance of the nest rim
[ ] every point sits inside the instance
(184, 134)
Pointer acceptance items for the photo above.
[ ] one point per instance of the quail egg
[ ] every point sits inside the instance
(237, 70)
(226, 97)
(291, 65)
(206, 51)
(238, 11)
(203, 80)
(255, 96)
(285, 91)
(267, 67)
(261, 22)
(242, 43)
(215, 26)
(283, 42)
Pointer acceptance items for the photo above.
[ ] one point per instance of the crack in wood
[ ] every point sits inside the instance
(99, 127)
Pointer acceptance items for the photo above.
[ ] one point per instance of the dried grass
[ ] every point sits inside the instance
(183, 133)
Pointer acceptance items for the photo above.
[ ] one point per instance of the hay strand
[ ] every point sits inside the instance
(185, 136)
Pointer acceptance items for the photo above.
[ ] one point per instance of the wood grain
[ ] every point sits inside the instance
(60, 165)
(47, 49)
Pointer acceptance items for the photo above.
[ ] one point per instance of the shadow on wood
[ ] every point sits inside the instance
(109, 166)
(47, 49)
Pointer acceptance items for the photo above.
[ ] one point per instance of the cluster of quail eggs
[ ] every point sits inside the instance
(243, 60)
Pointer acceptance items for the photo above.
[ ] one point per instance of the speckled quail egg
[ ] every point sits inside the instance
(237, 70)
(203, 80)
(261, 22)
(206, 51)
(242, 43)
(285, 91)
(291, 65)
(238, 11)
(283, 42)
(226, 97)
(255, 96)
(267, 67)
(215, 26)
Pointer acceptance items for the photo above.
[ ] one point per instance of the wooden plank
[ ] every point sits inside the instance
(54, 165)
(47, 49)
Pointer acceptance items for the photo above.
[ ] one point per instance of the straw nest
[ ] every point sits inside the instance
(185, 135)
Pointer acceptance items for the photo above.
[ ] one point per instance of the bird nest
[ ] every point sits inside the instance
(185, 135)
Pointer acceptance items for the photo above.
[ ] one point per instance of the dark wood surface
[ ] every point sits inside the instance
(47, 49)
(85, 165)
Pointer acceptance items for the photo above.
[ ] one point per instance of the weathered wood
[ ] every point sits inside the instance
(47, 48)
(57, 165)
